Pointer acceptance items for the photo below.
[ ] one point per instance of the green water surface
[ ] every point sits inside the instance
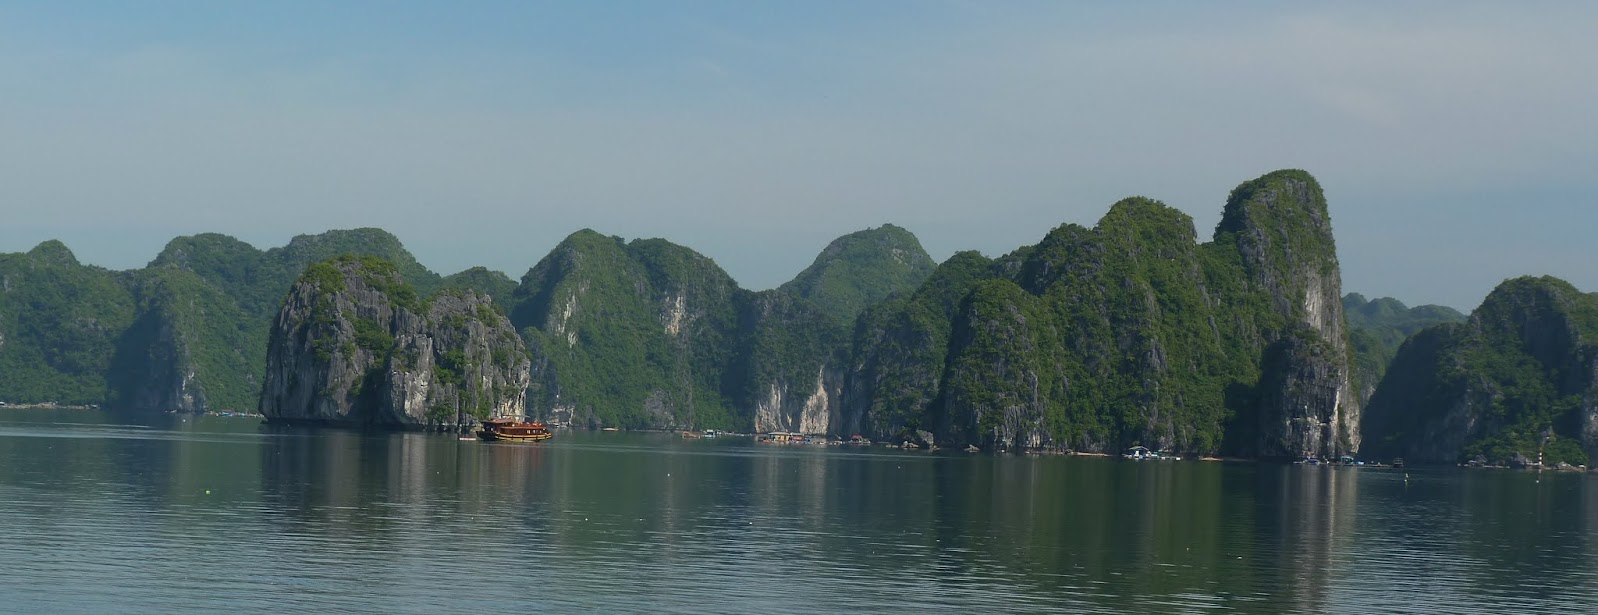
(111, 513)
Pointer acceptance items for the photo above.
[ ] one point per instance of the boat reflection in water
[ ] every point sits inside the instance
(512, 430)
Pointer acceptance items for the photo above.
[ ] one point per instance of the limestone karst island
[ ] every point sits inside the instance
(1132, 333)
(814, 306)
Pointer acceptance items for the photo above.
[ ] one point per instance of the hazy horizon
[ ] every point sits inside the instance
(1453, 140)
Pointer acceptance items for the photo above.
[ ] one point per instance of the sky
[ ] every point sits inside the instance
(1455, 141)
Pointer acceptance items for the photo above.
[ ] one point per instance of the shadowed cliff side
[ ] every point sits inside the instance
(1519, 376)
(1281, 228)
(1377, 327)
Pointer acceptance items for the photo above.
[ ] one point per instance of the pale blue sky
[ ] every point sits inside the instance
(1455, 140)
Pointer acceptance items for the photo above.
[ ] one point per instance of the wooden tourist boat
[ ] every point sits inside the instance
(512, 430)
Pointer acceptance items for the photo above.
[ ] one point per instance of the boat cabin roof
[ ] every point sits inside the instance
(507, 421)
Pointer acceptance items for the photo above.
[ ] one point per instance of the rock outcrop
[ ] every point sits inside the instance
(1376, 329)
(789, 349)
(1283, 233)
(1094, 339)
(1130, 332)
(636, 335)
(1519, 377)
(650, 334)
(353, 345)
(60, 320)
(188, 349)
(861, 269)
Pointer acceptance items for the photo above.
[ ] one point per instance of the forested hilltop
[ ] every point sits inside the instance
(1094, 339)
(650, 334)
(1517, 377)
(1376, 329)
(186, 333)
(190, 331)
(1129, 332)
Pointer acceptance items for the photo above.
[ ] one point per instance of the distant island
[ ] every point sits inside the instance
(1131, 332)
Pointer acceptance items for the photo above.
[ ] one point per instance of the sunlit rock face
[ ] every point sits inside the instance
(353, 345)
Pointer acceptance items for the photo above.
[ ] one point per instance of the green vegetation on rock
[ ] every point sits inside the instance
(629, 334)
(188, 349)
(186, 333)
(1130, 332)
(900, 349)
(1376, 329)
(483, 280)
(647, 333)
(862, 268)
(1517, 376)
(359, 348)
(258, 280)
(59, 326)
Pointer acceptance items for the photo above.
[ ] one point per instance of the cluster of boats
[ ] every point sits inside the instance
(783, 437)
(1142, 453)
(513, 430)
(1346, 460)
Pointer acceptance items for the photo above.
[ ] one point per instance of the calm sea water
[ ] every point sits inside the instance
(101, 513)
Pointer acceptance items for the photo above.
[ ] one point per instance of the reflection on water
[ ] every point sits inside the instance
(163, 514)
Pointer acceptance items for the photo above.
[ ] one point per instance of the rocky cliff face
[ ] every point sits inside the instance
(224, 296)
(187, 333)
(649, 334)
(1283, 233)
(1130, 332)
(999, 374)
(796, 336)
(353, 345)
(789, 350)
(899, 350)
(629, 334)
(1519, 376)
(188, 349)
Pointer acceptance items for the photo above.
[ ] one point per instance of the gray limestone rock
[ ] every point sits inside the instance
(353, 346)
(1308, 405)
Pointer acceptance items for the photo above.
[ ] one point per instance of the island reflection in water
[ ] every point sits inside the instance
(204, 514)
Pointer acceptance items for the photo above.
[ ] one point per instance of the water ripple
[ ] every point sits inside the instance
(216, 515)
